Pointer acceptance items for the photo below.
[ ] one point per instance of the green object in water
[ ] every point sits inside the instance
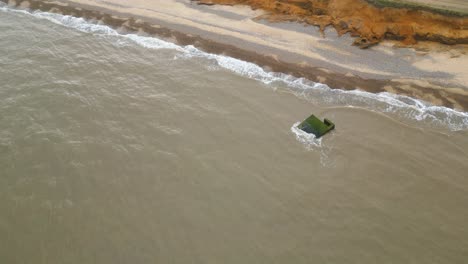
(315, 126)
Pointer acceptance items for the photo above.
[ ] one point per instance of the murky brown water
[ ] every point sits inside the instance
(111, 152)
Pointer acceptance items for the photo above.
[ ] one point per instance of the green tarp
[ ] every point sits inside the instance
(315, 126)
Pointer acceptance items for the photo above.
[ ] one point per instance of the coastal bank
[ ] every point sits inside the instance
(436, 73)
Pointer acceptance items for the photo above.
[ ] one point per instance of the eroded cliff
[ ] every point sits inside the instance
(369, 23)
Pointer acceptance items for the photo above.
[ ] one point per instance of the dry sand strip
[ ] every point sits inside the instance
(440, 77)
(453, 5)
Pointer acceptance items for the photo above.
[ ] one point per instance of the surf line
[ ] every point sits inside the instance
(401, 105)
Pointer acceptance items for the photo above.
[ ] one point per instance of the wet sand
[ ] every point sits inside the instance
(437, 74)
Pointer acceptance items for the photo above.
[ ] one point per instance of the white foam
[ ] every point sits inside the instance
(308, 140)
(88, 27)
(153, 43)
(399, 105)
(77, 23)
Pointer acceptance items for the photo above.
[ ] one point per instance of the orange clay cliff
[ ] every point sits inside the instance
(371, 24)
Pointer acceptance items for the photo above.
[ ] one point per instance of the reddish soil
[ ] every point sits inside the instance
(369, 23)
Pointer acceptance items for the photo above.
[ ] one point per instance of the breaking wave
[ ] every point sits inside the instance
(400, 105)
(308, 140)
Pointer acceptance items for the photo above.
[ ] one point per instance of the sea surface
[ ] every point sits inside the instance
(130, 149)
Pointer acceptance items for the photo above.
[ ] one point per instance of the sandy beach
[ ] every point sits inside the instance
(433, 72)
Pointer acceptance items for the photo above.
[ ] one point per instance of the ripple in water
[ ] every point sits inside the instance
(402, 106)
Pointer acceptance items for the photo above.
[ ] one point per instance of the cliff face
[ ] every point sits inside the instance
(369, 23)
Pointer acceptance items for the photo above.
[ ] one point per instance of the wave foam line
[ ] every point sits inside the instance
(308, 140)
(401, 105)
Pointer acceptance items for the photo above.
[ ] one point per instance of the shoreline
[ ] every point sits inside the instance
(370, 21)
(272, 58)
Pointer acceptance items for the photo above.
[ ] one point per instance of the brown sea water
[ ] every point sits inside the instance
(129, 149)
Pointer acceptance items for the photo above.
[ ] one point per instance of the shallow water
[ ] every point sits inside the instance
(129, 149)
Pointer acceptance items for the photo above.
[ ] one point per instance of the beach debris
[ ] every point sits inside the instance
(313, 125)
(365, 43)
